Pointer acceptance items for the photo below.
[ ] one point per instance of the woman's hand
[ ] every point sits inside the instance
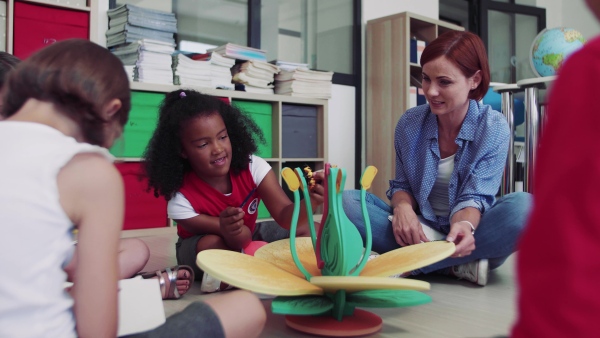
(461, 234)
(235, 233)
(406, 226)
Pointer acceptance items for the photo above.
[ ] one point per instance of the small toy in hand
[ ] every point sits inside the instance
(311, 179)
(310, 176)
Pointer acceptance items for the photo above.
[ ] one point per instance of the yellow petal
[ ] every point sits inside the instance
(254, 274)
(408, 258)
(357, 283)
(278, 253)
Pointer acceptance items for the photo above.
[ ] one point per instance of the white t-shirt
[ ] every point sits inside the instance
(35, 233)
(180, 208)
(439, 197)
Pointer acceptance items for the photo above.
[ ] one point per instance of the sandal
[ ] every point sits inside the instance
(172, 273)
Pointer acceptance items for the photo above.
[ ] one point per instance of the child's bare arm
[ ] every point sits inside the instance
(91, 193)
(234, 232)
(235, 236)
(281, 207)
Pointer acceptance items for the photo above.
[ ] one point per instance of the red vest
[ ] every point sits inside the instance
(206, 200)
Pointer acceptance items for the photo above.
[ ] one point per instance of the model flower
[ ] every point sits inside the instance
(320, 280)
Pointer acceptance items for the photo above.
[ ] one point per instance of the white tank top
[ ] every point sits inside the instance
(438, 198)
(35, 232)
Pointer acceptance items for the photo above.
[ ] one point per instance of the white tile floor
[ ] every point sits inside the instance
(459, 308)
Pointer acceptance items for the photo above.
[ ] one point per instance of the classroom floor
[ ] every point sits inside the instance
(459, 308)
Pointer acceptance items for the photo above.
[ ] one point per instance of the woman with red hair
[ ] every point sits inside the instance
(450, 156)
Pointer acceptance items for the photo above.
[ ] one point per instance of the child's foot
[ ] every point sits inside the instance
(211, 284)
(182, 283)
(174, 281)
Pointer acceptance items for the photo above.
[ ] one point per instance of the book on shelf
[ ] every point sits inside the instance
(304, 82)
(252, 89)
(254, 75)
(187, 71)
(303, 86)
(288, 65)
(234, 51)
(128, 23)
(304, 74)
(416, 49)
(248, 80)
(256, 69)
(151, 60)
(220, 69)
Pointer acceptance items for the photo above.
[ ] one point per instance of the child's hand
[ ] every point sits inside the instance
(317, 190)
(231, 222)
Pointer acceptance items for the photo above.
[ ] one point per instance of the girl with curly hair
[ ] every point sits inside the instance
(200, 159)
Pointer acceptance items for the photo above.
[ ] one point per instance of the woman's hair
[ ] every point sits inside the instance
(79, 77)
(163, 163)
(8, 62)
(467, 52)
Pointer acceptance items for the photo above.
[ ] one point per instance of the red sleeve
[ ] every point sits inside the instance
(558, 262)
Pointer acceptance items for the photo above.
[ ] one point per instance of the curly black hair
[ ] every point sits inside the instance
(163, 164)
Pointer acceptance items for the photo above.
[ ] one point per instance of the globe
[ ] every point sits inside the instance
(551, 47)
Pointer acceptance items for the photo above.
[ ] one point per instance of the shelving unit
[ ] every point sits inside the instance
(282, 108)
(389, 77)
(278, 104)
(94, 10)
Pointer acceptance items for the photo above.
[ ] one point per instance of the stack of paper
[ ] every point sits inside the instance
(303, 82)
(188, 72)
(234, 51)
(151, 60)
(220, 70)
(128, 23)
(256, 76)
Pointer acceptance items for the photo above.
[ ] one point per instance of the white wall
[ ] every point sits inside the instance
(379, 8)
(576, 15)
(570, 13)
(341, 126)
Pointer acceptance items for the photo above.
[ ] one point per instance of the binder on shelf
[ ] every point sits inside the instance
(140, 126)
(421, 97)
(262, 114)
(413, 50)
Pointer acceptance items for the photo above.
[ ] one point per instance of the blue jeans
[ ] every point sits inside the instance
(495, 239)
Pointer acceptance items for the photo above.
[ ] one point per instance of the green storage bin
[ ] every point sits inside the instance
(262, 114)
(262, 211)
(138, 130)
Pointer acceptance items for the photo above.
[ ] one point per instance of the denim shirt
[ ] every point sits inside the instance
(478, 165)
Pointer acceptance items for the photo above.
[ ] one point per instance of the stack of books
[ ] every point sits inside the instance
(220, 70)
(128, 23)
(254, 76)
(287, 65)
(147, 60)
(303, 82)
(238, 52)
(189, 72)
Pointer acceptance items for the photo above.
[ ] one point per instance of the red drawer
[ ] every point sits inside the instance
(36, 26)
(142, 209)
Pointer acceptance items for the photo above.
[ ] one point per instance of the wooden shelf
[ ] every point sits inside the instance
(389, 77)
(234, 94)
